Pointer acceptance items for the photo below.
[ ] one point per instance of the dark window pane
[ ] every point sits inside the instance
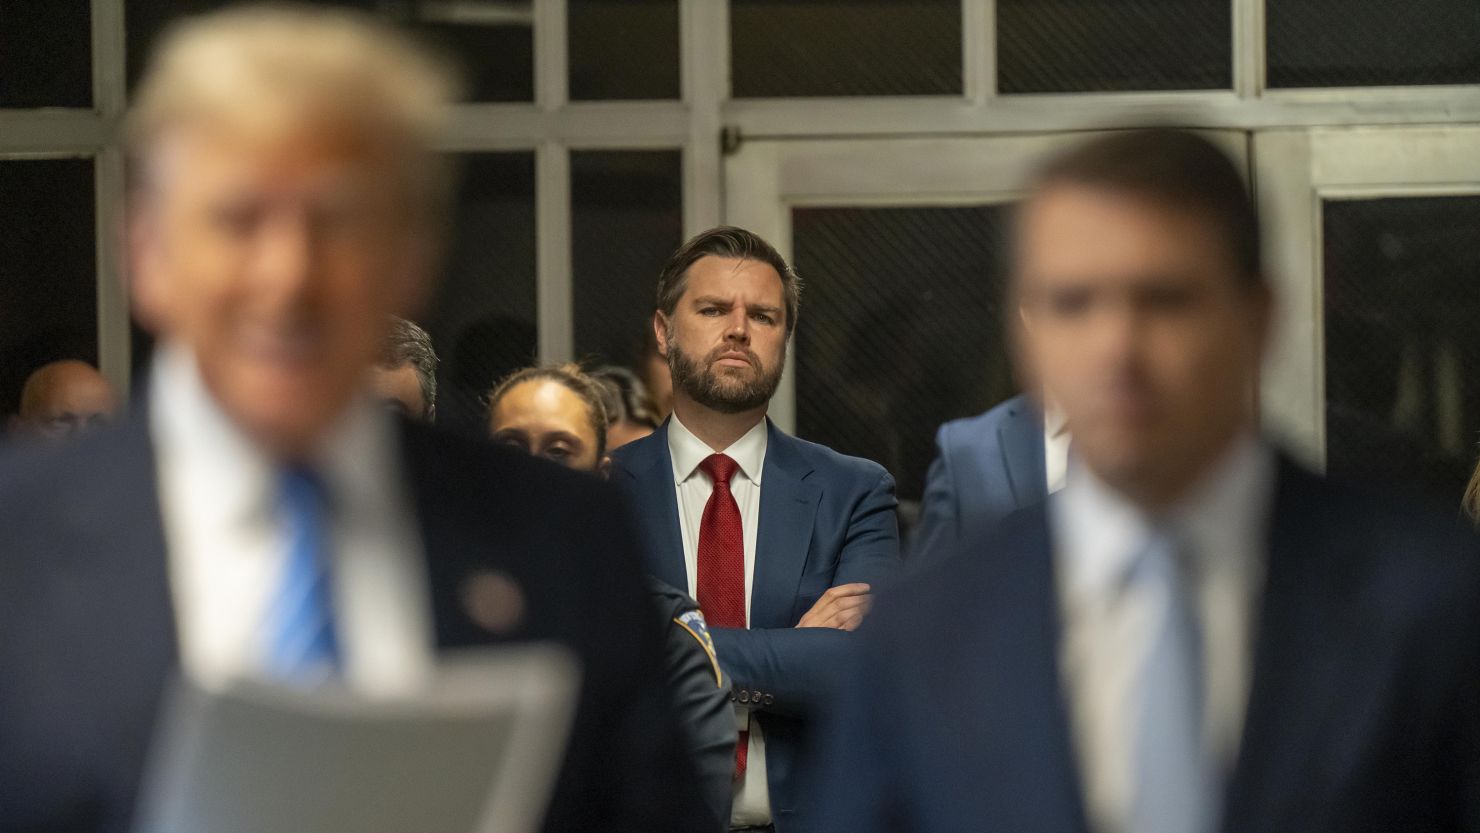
(623, 49)
(46, 54)
(1352, 43)
(483, 318)
(902, 328)
(626, 219)
(48, 269)
(1401, 302)
(845, 47)
(1056, 46)
(493, 46)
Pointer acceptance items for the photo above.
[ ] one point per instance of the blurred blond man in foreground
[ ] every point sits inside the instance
(264, 518)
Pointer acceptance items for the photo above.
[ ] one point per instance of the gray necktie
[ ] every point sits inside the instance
(1176, 788)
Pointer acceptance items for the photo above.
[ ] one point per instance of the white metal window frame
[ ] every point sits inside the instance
(553, 125)
(1296, 172)
(767, 179)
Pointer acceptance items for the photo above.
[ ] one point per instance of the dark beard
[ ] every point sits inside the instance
(707, 389)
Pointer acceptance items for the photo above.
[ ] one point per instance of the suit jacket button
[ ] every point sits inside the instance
(768, 700)
(745, 696)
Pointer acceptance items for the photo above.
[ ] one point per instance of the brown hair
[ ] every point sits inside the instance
(575, 380)
(1176, 167)
(730, 242)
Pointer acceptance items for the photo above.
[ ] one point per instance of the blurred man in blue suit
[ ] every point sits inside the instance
(263, 519)
(781, 541)
(986, 467)
(1195, 634)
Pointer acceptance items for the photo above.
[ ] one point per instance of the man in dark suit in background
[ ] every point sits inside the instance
(263, 518)
(781, 541)
(1194, 634)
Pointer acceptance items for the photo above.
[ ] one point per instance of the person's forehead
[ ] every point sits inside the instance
(725, 276)
(205, 155)
(542, 405)
(1071, 227)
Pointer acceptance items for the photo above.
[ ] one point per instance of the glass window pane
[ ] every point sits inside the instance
(1056, 46)
(48, 269)
(901, 329)
(626, 219)
(46, 54)
(1401, 302)
(845, 47)
(493, 44)
(1350, 43)
(483, 319)
(623, 49)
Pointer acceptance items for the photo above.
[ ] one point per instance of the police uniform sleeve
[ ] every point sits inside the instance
(701, 694)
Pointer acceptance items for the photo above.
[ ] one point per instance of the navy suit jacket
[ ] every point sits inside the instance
(1364, 708)
(986, 467)
(825, 519)
(88, 640)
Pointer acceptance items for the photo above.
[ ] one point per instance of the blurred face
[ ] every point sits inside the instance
(276, 259)
(399, 389)
(659, 383)
(1134, 317)
(547, 419)
(726, 340)
(72, 402)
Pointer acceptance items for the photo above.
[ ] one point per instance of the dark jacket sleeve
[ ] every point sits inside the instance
(938, 508)
(629, 769)
(794, 670)
(701, 695)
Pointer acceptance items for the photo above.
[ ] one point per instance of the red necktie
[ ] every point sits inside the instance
(721, 564)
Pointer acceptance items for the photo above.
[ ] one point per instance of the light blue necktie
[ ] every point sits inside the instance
(302, 644)
(1177, 788)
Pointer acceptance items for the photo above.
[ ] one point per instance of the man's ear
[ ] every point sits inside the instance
(147, 290)
(604, 467)
(660, 332)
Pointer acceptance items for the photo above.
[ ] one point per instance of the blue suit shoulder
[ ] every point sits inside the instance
(856, 470)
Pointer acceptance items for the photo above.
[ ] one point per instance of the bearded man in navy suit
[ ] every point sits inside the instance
(782, 541)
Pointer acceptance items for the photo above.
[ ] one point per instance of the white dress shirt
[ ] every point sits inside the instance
(1107, 628)
(1055, 449)
(752, 804)
(227, 546)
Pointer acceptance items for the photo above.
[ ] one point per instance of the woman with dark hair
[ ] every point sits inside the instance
(630, 412)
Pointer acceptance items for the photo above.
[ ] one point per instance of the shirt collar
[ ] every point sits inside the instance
(1055, 423)
(1101, 531)
(197, 438)
(688, 451)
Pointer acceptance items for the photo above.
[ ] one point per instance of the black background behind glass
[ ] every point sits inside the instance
(1340, 43)
(1402, 298)
(46, 53)
(626, 219)
(483, 319)
(48, 269)
(1052, 46)
(845, 47)
(623, 49)
(901, 328)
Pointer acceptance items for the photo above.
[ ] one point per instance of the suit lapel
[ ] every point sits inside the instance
(655, 499)
(1020, 438)
(788, 508)
(1019, 629)
(1299, 661)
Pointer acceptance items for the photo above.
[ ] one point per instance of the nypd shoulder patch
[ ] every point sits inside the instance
(694, 623)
